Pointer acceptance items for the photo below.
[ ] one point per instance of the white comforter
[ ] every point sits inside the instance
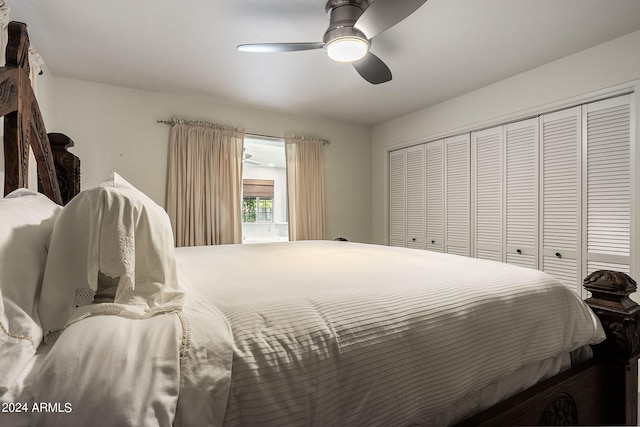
(317, 333)
(337, 333)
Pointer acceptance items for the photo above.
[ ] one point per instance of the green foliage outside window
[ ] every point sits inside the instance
(249, 205)
(256, 209)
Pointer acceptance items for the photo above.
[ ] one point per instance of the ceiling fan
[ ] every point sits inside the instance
(353, 23)
(247, 158)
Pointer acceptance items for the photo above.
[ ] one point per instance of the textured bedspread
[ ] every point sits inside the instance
(336, 333)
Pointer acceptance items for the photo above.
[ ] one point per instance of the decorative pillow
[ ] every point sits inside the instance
(26, 222)
(114, 241)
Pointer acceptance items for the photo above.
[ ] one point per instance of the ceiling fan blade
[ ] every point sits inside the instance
(384, 14)
(279, 47)
(372, 69)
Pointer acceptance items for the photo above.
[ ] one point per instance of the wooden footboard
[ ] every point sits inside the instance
(602, 391)
(620, 317)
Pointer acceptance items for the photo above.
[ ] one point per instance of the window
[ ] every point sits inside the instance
(265, 210)
(257, 200)
(256, 209)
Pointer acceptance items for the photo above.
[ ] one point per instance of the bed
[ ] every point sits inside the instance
(104, 322)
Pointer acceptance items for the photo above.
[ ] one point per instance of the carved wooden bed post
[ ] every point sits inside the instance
(67, 166)
(620, 317)
(24, 127)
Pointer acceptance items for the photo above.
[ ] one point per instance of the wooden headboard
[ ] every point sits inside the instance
(58, 170)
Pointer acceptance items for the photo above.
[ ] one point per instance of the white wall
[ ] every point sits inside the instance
(604, 69)
(45, 95)
(115, 129)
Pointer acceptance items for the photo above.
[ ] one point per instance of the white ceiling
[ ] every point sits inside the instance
(264, 153)
(445, 49)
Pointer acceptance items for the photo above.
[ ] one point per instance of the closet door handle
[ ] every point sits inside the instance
(413, 240)
(558, 254)
(433, 242)
(519, 251)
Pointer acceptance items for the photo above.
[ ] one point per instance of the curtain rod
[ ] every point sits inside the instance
(258, 135)
(324, 141)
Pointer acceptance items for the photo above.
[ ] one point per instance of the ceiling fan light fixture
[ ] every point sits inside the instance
(347, 48)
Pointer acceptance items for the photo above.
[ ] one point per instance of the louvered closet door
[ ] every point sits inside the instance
(608, 184)
(560, 200)
(435, 195)
(457, 195)
(397, 197)
(487, 148)
(416, 197)
(521, 193)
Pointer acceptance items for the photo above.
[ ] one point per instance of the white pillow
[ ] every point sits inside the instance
(111, 234)
(26, 222)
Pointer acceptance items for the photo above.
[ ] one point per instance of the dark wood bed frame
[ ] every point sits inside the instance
(602, 391)
(58, 169)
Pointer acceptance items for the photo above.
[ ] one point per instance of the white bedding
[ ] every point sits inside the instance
(317, 333)
(21, 392)
(106, 370)
(129, 351)
(337, 333)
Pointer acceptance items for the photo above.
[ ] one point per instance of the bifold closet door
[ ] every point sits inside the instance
(398, 198)
(521, 193)
(560, 197)
(407, 197)
(416, 217)
(607, 186)
(435, 195)
(457, 195)
(487, 200)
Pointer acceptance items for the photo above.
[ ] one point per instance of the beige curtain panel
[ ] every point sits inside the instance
(305, 187)
(204, 183)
